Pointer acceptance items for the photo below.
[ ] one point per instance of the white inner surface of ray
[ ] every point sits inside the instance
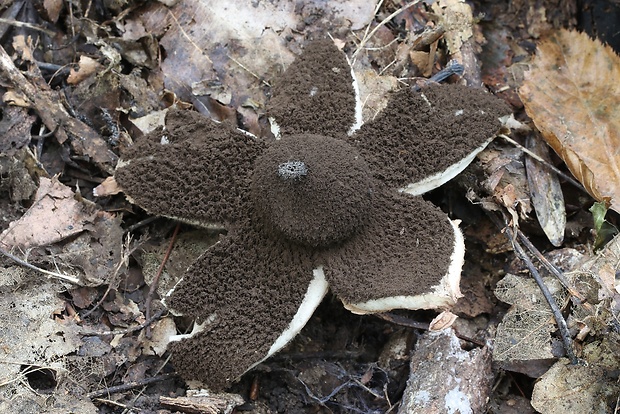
(196, 329)
(358, 102)
(317, 289)
(275, 128)
(444, 294)
(313, 297)
(431, 182)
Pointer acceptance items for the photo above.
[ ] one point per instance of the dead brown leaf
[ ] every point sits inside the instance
(573, 96)
(582, 388)
(523, 339)
(54, 216)
(53, 9)
(232, 44)
(108, 187)
(506, 181)
(546, 192)
(33, 92)
(86, 67)
(442, 321)
(15, 129)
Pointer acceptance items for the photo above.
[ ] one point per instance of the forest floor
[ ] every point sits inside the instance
(82, 331)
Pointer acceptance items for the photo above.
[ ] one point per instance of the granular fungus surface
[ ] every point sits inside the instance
(313, 208)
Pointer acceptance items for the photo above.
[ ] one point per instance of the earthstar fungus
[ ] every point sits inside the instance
(324, 204)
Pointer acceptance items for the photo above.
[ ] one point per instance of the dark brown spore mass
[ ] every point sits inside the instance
(327, 204)
(315, 95)
(201, 175)
(405, 250)
(254, 285)
(411, 140)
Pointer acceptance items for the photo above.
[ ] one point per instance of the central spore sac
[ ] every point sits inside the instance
(312, 189)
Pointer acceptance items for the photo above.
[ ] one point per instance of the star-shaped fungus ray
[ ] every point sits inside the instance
(195, 170)
(433, 135)
(315, 94)
(313, 208)
(250, 294)
(409, 256)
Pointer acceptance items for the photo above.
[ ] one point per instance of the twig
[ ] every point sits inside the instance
(545, 163)
(580, 299)
(141, 223)
(550, 266)
(27, 26)
(133, 402)
(321, 355)
(383, 23)
(557, 314)
(189, 39)
(60, 276)
(110, 402)
(155, 282)
(23, 373)
(128, 386)
(452, 68)
(263, 81)
(403, 321)
(125, 253)
(99, 302)
(375, 12)
(143, 325)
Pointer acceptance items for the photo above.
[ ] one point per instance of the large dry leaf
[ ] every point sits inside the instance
(220, 49)
(573, 95)
(589, 387)
(523, 339)
(54, 216)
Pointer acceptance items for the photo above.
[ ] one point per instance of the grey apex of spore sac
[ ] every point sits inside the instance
(292, 170)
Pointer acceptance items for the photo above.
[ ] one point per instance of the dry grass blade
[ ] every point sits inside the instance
(573, 95)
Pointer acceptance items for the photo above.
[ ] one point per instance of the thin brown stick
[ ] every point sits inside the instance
(60, 276)
(544, 162)
(128, 386)
(143, 325)
(579, 298)
(141, 223)
(402, 321)
(139, 393)
(381, 24)
(17, 23)
(99, 302)
(550, 266)
(410, 323)
(155, 282)
(555, 310)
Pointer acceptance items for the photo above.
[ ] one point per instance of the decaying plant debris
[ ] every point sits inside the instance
(81, 82)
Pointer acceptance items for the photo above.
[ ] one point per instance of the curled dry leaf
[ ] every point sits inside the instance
(546, 193)
(87, 67)
(108, 187)
(442, 321)
(573, 96)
